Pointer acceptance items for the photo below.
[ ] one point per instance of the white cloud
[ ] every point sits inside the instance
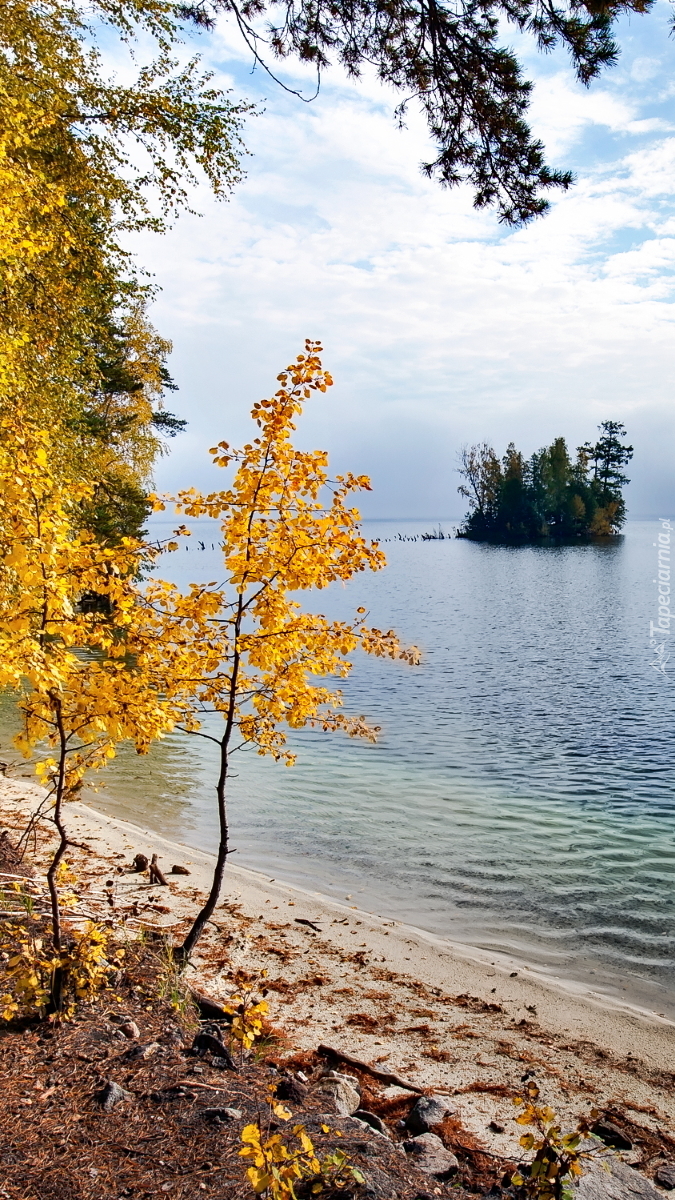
(440, 327)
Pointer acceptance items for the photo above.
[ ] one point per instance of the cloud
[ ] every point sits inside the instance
(440, 326)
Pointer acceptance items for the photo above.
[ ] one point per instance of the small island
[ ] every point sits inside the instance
(547, 497)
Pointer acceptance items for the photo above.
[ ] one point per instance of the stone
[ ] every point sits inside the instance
(612, 1179)
(665, 1175)
(145, 1051)
(178, 870)
(431, 1156)
(291, 1089)
(173, 1035)
(372, 1119)
(207, 1043)
(351, 1079)
(220, 1116)
(130, 1029)
(612, 1135)
(427, 1112)
(341, 1091)
(111, 1094)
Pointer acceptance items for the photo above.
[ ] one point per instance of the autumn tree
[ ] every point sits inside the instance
(84, 159)
(247, 654)
(79, 688)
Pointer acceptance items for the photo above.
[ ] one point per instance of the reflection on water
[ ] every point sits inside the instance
(521, 795)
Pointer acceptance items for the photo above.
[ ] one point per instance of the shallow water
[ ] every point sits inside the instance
(521, 794)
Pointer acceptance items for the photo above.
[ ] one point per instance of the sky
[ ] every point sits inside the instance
(441, 327)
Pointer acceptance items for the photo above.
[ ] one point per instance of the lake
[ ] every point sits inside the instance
(522, 794)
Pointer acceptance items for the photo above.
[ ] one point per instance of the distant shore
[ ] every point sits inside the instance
(384, 991)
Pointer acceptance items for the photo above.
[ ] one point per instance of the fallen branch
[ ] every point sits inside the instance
(209, 1086)
(383, 1076)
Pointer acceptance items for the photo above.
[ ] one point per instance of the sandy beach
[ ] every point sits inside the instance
(463, 1022)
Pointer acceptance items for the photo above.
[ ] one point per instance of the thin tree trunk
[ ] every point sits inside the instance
(207, 911)
(57, 979)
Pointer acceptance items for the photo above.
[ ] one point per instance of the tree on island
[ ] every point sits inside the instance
(548, 495)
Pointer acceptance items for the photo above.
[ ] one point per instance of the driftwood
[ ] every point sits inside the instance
(383, 1076)
(156, 875)
(210, 1010)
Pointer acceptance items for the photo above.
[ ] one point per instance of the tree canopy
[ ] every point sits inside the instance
(548, 495)
(83, 159)
(448, 56)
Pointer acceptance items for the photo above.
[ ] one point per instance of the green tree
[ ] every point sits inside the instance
(549, 496)
(84, 158)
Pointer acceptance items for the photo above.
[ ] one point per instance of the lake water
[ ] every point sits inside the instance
(521, 796)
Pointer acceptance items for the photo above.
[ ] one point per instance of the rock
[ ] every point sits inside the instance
(111, 1094)
(430, 1155)
(665, 1176)
(220, 1116)
(206, 1043)
(291, 1089)
(145, 1051)
(612, 1135)
(130, 1029)
(495, 1127)
(178, 870)
(612, 1179)
(173, 1035)
(372, 1119)
(222, 1064)
(344, 1095)
(428, 1111)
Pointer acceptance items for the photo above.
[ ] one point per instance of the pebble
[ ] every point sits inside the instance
(111, 1093)
(220, 1116)
(145, 1051)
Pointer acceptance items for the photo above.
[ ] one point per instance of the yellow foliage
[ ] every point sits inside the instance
(557, 1156)
(84, 965)
(277, 1165)
(78, 153)
(247, 650)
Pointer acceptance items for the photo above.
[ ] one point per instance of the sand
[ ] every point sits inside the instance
(464, 1022)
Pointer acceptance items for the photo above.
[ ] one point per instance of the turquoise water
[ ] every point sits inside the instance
(521, 796)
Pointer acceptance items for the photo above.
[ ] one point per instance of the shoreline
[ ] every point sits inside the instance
(454, 1019)
(591, 978)
(250, 878)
